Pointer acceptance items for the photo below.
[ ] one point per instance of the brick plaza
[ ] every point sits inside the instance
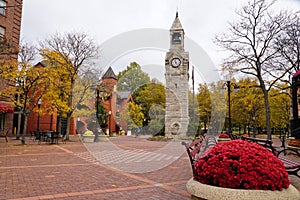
(94, 171)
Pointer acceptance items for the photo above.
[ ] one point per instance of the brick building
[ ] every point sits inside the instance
(10, 26)
(116, 103)
(47, 121)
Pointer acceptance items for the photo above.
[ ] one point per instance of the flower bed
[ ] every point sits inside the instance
(241, 164)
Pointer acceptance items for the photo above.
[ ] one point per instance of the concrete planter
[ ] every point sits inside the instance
(203, 191)
(87, 138)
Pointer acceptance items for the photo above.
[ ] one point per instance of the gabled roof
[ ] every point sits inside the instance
(124, 94)
(176, 24)
(40, 63)
(109, 74)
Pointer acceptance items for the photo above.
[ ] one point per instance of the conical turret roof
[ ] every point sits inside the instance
(109, 74)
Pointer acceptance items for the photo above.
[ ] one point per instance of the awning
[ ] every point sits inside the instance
(6, 108)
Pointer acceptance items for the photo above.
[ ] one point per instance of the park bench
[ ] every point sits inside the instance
(289, 157)
(194, 149)
(233, 136)
(4, 134)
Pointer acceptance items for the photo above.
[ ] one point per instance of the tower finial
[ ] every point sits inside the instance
(177, 12)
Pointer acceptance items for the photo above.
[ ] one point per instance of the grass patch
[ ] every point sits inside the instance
(159, 138)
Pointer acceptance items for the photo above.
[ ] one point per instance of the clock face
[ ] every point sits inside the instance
(175, 62)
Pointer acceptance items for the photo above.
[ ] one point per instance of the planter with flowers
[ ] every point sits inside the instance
(240, 170)
(88, 136)
(223, 137)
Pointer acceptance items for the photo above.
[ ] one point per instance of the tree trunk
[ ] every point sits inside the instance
(24, 129)
(59, 127)
(19, 125)
(268, 120)
(68, 127)
(267, 108)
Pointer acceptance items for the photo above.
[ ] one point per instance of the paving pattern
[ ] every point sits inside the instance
(132, 160)
(84, 171)
(124, 168)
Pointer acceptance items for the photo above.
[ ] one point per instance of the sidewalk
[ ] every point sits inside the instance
(92, 170)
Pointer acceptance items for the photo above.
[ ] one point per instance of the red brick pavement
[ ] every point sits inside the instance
(48, 171)
(64, 171)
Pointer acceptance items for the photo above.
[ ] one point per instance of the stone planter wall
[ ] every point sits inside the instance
(87, 138)
(203, 191)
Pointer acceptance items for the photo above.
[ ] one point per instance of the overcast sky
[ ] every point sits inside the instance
(104, 19)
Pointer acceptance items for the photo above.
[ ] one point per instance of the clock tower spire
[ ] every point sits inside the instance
(177, 78)
(176, 34)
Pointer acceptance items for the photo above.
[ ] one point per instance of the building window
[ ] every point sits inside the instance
(2, 32)
(118, 116)
(2, 7)
(2, 121)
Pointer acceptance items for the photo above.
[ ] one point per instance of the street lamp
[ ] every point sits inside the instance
(38, 120)
(109, 114)
(228, 85)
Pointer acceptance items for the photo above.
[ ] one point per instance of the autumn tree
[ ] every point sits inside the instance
(212, 106)
(26, 84)
(133, 115)
(247, 105)
(250, 42)
(72, 53)
(194, 125)
(280, 108)
(149, 97)
(248, 110)
(132, 78)
(204, 102)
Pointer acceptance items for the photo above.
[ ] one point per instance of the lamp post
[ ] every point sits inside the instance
(228, 85)
(97, 104)
(109, 114)
(102, 95)
(38, 120)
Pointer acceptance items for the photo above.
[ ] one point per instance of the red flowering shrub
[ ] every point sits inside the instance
(223, 135)
(241, 164)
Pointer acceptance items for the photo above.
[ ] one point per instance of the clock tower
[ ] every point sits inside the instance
(177, 83)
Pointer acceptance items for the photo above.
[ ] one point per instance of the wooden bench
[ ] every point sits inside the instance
(290, 157)
(233, 136)
(194, 149)
(4, 134)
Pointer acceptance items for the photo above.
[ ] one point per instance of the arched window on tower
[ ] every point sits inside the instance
(176, 38)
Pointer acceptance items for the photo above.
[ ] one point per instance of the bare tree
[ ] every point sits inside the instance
(76, 50)
(288, 44)
(251, 42)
